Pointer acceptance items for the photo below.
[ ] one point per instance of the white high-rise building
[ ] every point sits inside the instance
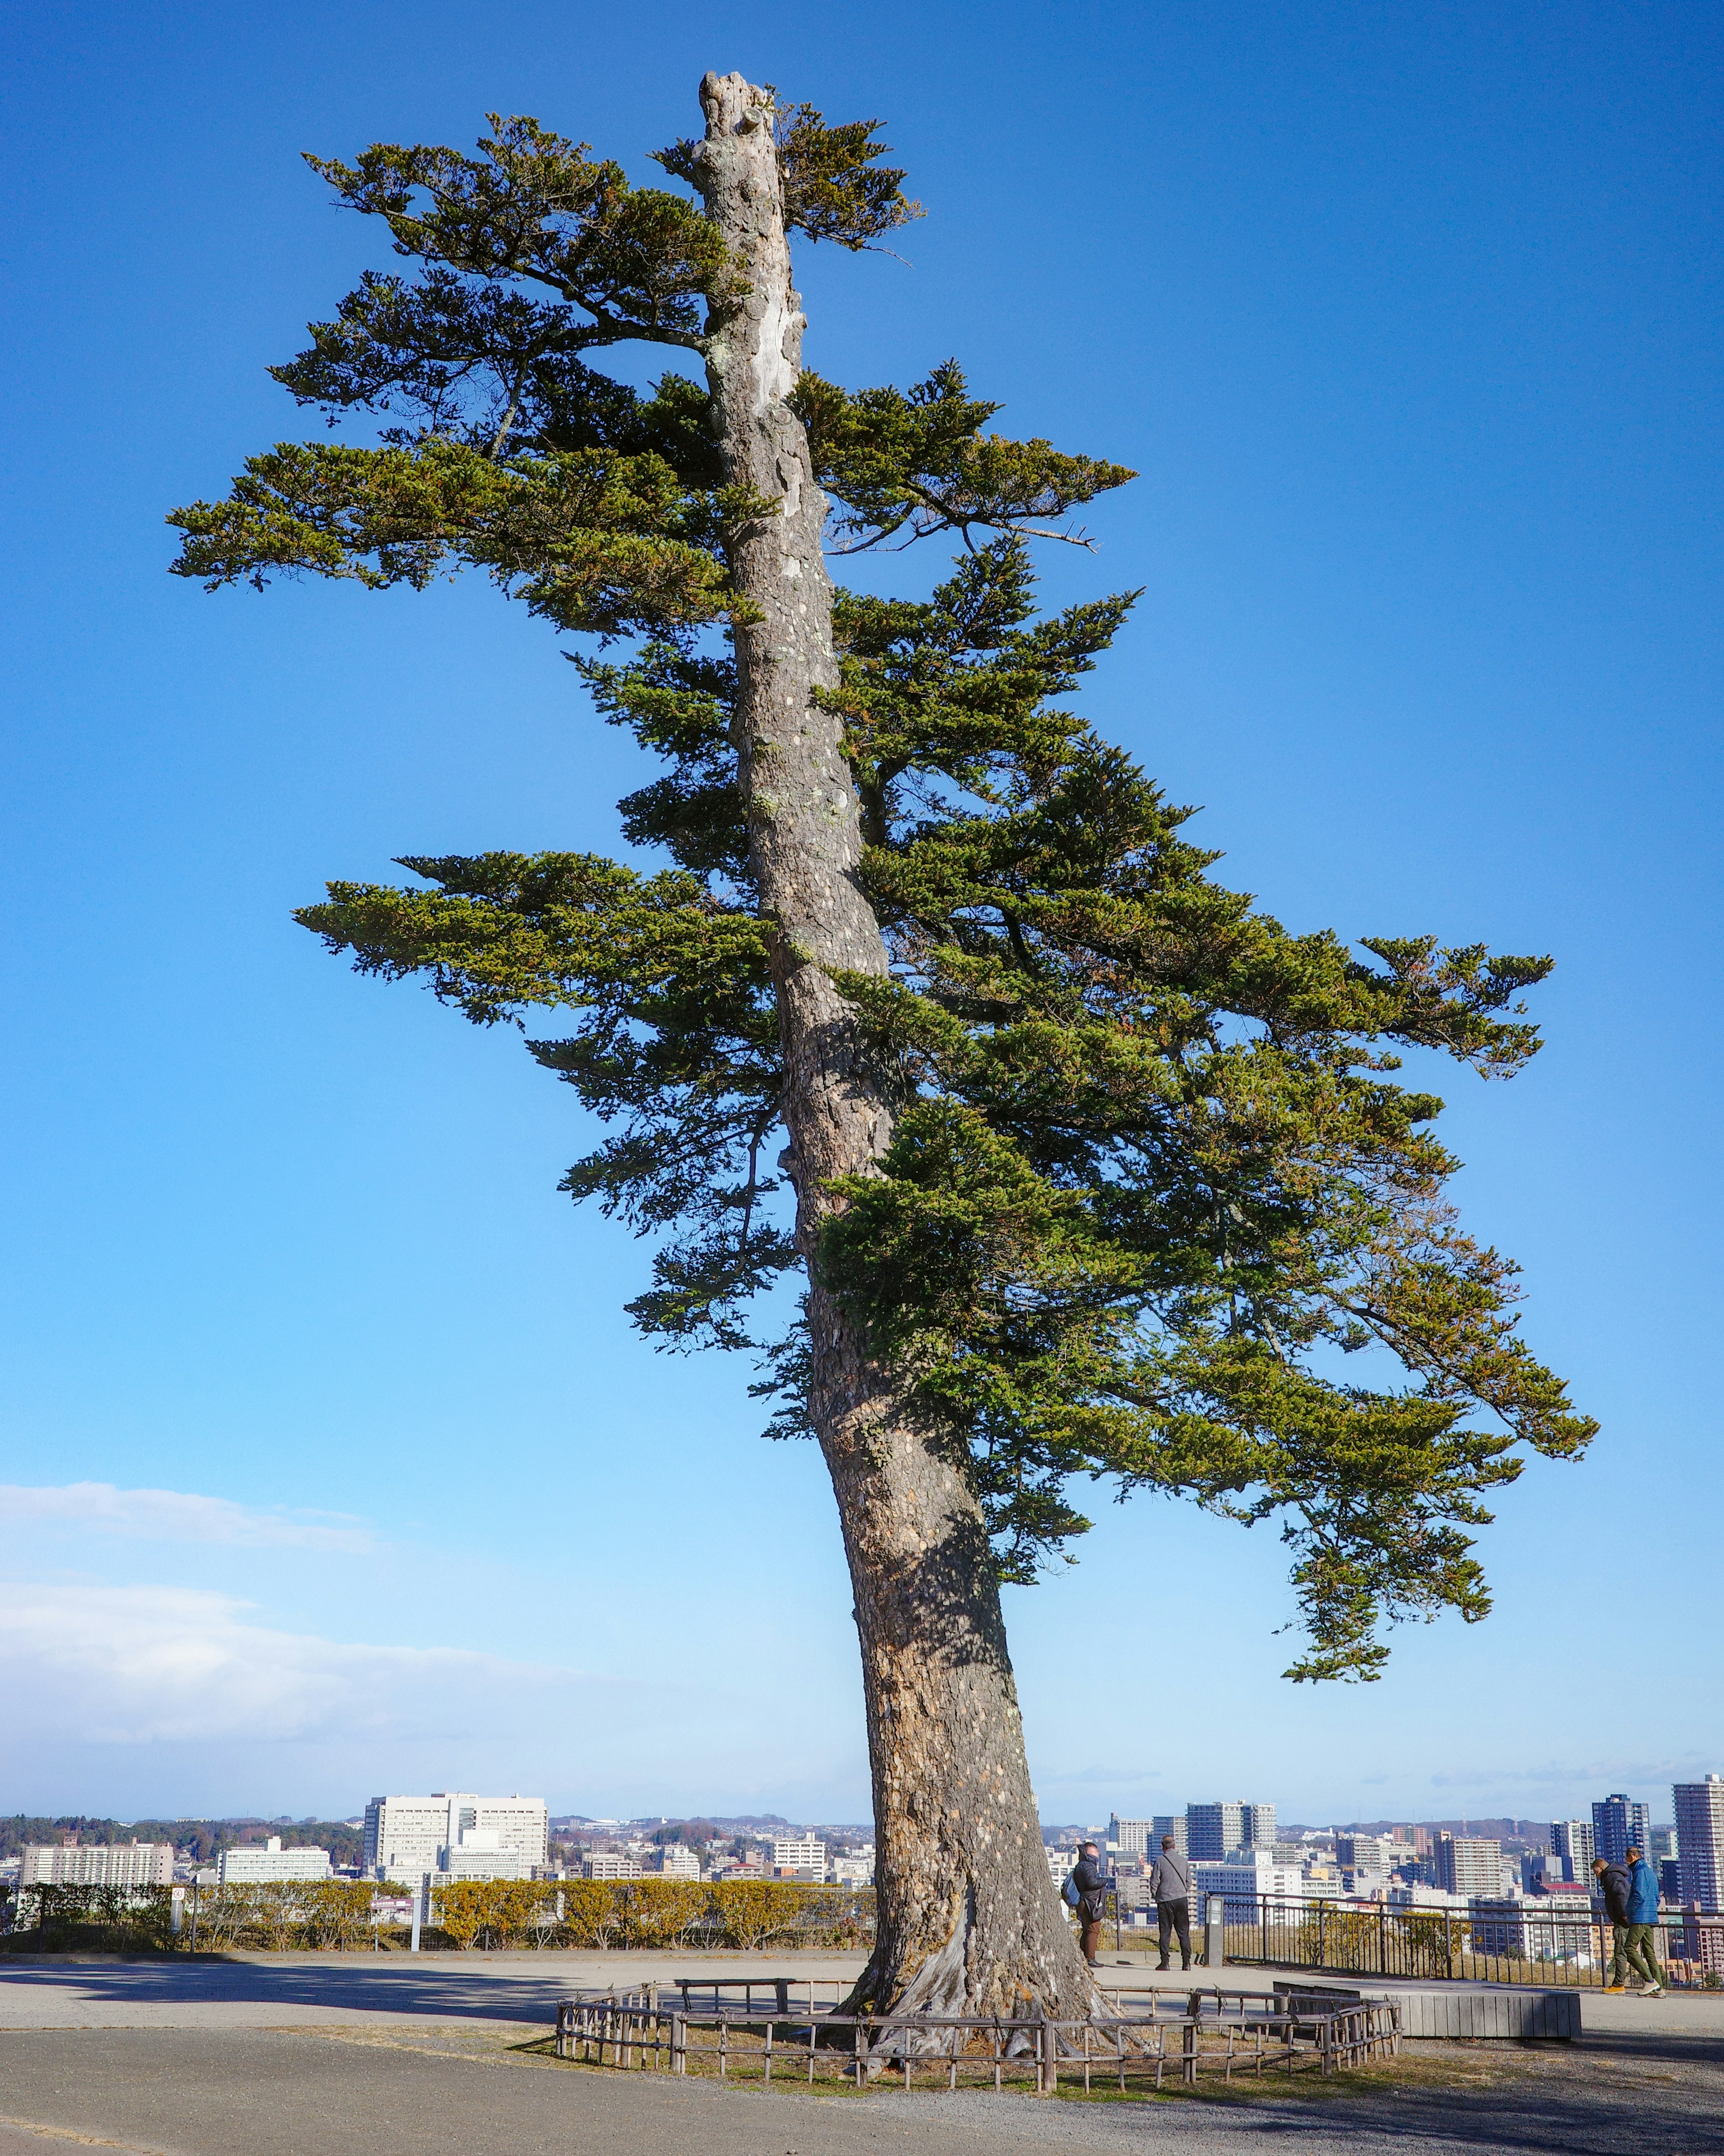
(98, 1864)
(1245, 1881)
(1572, 1841)
(1132, 1837)
(1470, 1865)
(1700, 1842)
(804, 1855)
(455, 1831)
(250, 1868)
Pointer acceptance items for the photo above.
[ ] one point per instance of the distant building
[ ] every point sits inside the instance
(1165, 1823)
(1572, 1846)
(855, 1871)
(804, 1855)
(1557, 1928)
(1213, 1830)
(98, 1864)
(482, 1853)
(603, 1863)
(676, 1862)
(454, 1832)
(251, 1867)
(1470, 1865)
(1244, 1884)
(1359, 1852)
(1700, 1840)
(1132, 1837)
(1619, 1826)
(1664, 1841)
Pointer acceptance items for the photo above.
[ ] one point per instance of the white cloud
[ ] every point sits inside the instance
(152, 1664)
(178, 1516)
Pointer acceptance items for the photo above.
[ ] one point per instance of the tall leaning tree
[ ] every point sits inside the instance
(1088, 1168)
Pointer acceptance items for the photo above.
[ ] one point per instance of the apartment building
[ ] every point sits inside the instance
(1700, 1842)
(98, 1864)
(1470, 1865)
(1619, 1826)
(1211, 1831)
(1572, 1846)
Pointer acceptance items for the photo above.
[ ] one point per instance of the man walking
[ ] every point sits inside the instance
(1091, 1883)
(1614, 1885)
(1643, 1923)
(1170, 1885)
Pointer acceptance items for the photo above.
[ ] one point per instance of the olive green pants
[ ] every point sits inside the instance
(1634, 1952)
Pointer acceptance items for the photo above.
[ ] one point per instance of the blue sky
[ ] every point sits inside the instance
(1409, 318)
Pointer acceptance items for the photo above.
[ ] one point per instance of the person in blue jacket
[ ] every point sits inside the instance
(1642, 1920)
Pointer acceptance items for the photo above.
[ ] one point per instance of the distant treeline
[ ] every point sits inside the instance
(202, 1840)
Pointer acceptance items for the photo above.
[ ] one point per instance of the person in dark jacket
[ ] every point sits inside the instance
(1170, 1886)
(1614, 1886)
(1643, 1923)
(1092, 1883)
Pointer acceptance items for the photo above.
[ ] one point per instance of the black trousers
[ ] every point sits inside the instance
(1173, 1916)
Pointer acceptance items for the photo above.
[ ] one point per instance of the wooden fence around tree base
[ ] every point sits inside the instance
(1135, 2053)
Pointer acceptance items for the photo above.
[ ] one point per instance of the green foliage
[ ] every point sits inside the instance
(1158, 1211)
(833, 188)
(90, 1919)
(638, 262)
(905, 464)
(606, 1913)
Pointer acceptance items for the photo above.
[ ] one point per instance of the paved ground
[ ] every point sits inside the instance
(321, 2092)
(301, 2057)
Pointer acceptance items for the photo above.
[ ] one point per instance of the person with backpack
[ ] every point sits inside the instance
(1086, 1891)
(1170, 1886)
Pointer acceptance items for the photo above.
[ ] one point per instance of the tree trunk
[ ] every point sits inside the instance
(969, 1919)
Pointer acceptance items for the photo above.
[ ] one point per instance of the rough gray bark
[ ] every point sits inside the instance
(969, 1919)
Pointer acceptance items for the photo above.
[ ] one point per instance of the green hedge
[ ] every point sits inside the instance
(336, 1914)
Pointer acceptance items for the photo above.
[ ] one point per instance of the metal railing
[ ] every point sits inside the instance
(1213, 2032)
(1514, 1945)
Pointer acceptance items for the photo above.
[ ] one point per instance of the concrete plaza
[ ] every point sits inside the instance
(310, 2056)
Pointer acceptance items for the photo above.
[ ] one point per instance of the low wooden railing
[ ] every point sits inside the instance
(1213, 2032)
